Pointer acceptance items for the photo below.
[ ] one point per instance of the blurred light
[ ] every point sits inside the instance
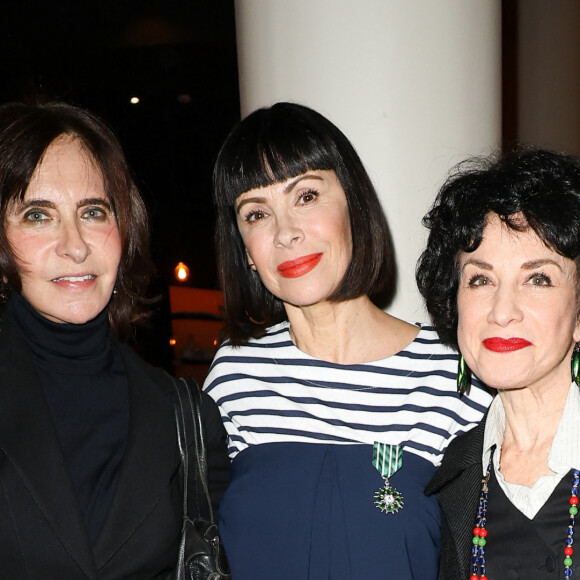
(172, 342)
(184, 98)
(215, 342)
(181, 272)
(134, 100)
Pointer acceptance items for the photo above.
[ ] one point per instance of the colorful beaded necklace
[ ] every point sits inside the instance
(480, 533)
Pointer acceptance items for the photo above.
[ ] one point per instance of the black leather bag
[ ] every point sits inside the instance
(201, 553)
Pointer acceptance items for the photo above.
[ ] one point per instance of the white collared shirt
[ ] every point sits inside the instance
(564, 454)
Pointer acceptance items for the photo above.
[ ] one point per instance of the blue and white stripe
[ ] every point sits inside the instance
(269, 391)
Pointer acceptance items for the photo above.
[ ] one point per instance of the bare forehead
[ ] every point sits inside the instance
(66, 149)
(520, 247)
(66, 161)
(511, 229)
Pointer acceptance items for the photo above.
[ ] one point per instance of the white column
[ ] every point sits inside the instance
(549, 74)
(415, 85)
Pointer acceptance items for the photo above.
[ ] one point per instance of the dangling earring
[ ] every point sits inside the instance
(463, 376)
(575, 364)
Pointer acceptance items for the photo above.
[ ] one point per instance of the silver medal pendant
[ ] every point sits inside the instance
(388, 499)
(388, 459)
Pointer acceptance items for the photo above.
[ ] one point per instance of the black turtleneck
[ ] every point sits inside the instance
(85, 386)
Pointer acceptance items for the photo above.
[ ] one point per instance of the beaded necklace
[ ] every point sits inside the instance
(480, 532)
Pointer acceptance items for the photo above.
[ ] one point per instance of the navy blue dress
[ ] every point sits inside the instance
(298, 511)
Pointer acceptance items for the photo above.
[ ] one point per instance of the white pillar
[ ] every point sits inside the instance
(415, 85)
(549, 76)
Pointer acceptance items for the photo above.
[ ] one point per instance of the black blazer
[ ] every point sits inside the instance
(42, 534)
(457, 484)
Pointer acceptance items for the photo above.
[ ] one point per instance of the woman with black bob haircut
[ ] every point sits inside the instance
(286, 141)
(500, 277)
(337, 413)
(89, 462)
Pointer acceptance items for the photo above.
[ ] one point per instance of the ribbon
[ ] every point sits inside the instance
(387, 459)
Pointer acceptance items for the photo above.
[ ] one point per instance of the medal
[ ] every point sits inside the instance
(388, 459)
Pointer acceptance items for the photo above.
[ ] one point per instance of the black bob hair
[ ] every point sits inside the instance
(540, 185)
(270, 146)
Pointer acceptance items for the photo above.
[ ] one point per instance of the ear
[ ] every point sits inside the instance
(250, 261)
(576, 333)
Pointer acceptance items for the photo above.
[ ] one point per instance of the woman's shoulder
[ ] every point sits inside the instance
(277, 336)
(437, 363)
(427, 345)
(275, 345)
(463, 453)
(137, 367)
(428, 339)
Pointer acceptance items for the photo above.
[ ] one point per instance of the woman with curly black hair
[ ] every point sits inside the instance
(500, 276)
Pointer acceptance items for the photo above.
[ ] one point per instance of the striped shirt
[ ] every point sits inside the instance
(269, 391)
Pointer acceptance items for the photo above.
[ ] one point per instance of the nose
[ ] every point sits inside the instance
(287, 231)
(505, 307)
(72, 244)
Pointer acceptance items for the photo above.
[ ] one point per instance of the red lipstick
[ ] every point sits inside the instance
(497, 344)
(300, 266)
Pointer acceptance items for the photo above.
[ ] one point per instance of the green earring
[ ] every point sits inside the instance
(464, 376)
(575, 364)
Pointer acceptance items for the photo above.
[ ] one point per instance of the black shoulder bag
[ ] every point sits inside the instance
(201, 554)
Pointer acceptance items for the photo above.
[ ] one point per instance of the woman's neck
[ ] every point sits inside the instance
(533, 414)
(532, 419)
(348, 332)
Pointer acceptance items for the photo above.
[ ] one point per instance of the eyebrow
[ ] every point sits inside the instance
(289, 187)
(533, 264)
(24, 205)
(477, 264)
(530, 265)
(296, 181)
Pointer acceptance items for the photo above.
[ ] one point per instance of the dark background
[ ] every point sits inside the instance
(179, 58)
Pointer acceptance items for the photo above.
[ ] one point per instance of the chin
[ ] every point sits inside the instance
(506, 383)
(305, 299)
(78, 315)
(507, 388)
(85, 316)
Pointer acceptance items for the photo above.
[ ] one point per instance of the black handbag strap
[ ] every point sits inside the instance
(187, 406)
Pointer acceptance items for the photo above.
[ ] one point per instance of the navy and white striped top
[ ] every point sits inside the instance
(269, 391)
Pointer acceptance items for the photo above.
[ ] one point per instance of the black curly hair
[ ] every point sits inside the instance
(542, 186)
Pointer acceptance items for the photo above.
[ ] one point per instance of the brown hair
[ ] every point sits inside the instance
(26, 132)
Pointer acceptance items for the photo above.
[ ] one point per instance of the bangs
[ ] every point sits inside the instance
(271, 146)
